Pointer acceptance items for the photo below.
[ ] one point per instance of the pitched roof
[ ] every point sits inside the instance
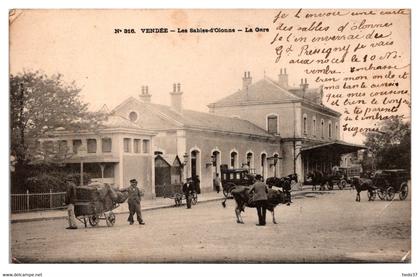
(164, 117)
(267, 91)
(201, 120)
(313, 95)
(263, 91)
(116, 121)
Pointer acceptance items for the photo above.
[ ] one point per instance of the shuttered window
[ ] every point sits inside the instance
(272, 124)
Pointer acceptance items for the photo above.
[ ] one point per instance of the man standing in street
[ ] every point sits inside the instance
(134, 198)
(70, 201)
(188, 189)
(216, 182)
(260, 198)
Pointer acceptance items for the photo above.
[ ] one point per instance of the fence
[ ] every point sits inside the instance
(37, 201)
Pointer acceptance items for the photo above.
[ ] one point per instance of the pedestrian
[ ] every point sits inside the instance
(134, 199)
(188, 189)
(70, 201)
(260, 199)
(216, 182)
(196, 181)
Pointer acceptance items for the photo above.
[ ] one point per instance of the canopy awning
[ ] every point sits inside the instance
(336, 147)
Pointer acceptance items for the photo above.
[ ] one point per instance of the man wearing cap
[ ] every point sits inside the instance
(260, 198)
(70, 201)
(134, 198)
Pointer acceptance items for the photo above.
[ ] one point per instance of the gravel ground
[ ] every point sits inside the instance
(324, 228)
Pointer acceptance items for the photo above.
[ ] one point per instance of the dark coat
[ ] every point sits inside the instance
(71, 194)
(134, 194)
(260, 191)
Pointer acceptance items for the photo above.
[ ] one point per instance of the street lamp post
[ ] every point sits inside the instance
(82, 153)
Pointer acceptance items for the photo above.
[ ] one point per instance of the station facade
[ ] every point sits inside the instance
(267, 126)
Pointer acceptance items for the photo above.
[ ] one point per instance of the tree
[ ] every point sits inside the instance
(391, 146)
(40, 104)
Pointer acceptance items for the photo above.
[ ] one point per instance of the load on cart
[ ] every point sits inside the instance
(96, 201)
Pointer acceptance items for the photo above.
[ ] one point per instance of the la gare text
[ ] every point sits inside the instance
(190, 30)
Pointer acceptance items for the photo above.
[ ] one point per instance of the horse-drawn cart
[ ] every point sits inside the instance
(94, 203)
(232, 177)
(390, 182)
(174, 191)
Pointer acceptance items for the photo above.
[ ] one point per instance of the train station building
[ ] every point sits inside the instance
(267, 126)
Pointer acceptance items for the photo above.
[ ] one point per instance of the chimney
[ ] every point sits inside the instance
(145, 96)
(246, 80)
(176, 98)
(283, 79)
(304, 85)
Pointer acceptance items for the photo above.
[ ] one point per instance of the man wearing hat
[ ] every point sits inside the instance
(188, 189)
(134, 198)
(260, 198)
(70, 201)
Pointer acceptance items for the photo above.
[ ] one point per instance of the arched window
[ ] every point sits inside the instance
(314, 126)
(195, 162)
(322, 128)
(329, 129)
(233, 159)
(272, 124)
(264, 165)
(305, 124)
(250, 160)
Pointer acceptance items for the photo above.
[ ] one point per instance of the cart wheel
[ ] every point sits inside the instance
(371, 195)
(342, 184)
(110, 219)
(178, 199)
(93, 220)
(390, 193)
(404, 191)
(381, 194)
(330, 185)
(194, 198)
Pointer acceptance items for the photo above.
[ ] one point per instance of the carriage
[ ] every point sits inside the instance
(93, 204)
(389, 182)
(174, 191)
(232, 177)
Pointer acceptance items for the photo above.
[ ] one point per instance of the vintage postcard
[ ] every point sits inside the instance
(210, 136)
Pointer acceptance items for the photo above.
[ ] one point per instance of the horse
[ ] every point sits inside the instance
(362, 184)
(315, 178)
(285, 183)
(243, 199)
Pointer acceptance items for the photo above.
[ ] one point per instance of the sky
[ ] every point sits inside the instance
(109, 67)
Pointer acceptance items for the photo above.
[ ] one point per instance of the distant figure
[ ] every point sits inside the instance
(216, 182)
(70, 201)
(188, 189)
(260, 198)
(134, 199)
(196, 181)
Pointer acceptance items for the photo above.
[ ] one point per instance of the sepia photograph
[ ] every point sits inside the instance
(191, 136)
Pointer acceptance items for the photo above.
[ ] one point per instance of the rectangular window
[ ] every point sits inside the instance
(62, 147)
(127, 145)
(137, 146)
(106, 145)
(91, 146)
(76, 145)
(272, 124)
(146, 146)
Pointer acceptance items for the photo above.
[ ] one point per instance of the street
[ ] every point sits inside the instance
(328, 227)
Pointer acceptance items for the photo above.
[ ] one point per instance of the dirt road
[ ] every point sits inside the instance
(317, 228)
